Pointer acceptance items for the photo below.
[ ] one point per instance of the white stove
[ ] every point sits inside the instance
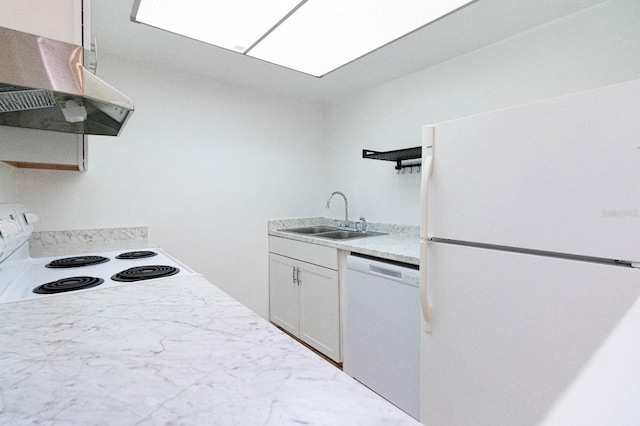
(23, 277)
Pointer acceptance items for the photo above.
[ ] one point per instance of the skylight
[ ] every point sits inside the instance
(311, 36)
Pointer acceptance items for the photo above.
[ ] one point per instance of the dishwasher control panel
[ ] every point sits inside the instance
(396, 271)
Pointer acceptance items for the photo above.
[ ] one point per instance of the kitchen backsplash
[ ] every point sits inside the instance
(56, 243)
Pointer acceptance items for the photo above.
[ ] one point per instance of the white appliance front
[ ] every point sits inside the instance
(559, 175)
(35, 273)
(382, 330)
(23, 277)
(530, 227)
(511, 331)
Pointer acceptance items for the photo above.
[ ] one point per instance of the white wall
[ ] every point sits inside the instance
(8, 184)
(593, 48)
(202, 164)
(206, 169)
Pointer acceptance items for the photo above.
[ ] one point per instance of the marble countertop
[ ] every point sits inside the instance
(401, 244)
(173, 351)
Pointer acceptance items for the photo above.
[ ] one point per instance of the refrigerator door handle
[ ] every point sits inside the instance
(427, 312)
(427, 167)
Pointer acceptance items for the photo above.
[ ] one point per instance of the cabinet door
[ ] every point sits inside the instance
(283, 293)
(56, 19)
(320, 309)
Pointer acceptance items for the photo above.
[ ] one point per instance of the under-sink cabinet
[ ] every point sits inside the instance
(304, 293)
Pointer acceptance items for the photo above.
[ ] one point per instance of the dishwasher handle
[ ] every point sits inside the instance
(378, 268)
(390, 273)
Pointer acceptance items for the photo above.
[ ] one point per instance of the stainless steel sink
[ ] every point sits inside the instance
(331, 232)
(347, 235)
(311, 229)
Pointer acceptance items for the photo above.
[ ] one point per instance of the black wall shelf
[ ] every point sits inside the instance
(397, 155)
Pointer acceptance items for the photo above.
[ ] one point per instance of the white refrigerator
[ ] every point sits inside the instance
(530, 249)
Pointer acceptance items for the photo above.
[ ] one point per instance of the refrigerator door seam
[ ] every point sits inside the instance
(581, 258)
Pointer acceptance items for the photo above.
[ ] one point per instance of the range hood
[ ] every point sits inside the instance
(43, 85)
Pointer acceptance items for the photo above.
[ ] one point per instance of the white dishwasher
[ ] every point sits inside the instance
(382, 330)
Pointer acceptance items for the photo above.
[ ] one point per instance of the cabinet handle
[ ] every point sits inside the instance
(298, 276)
(293, 277)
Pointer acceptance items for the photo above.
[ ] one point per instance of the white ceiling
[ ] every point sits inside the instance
(481, 23)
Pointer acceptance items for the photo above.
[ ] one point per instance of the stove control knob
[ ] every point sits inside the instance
(8, 228)
(31, 218)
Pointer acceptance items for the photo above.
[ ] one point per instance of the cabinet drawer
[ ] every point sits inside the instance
(307, 252)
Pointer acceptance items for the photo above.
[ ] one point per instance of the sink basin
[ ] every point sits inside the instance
(331, 232)
(311, 229)
(347, 235)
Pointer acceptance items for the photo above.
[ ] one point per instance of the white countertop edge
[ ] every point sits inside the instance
(398, 248)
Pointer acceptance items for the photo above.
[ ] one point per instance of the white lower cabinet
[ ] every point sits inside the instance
(304, 293)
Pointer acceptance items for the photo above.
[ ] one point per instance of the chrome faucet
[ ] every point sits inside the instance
(363, 221)
(346, 206)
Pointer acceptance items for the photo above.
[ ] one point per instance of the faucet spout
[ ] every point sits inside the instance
(346, 206)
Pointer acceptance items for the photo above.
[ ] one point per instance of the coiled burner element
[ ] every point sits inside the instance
(77, 261)
(141, 254)
(68, 284)
(149, 272)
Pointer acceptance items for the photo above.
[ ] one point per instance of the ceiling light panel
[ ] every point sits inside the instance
(234, 25)
(323, 35)
(316, 37)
